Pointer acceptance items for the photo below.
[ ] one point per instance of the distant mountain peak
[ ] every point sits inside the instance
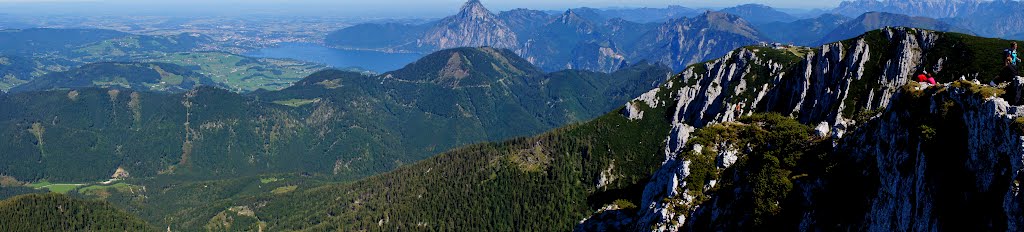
(570, 13)
(474, 9)
(753, 6)
(710, 15)
(928, 8)
(571, 17)
(877, 20)
(473, 26)
(758, 13)
(726, 22)
(466, 66)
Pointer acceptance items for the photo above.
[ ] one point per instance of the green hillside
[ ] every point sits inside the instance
(47, 40)
(547, 182)
(337, 124)
(140, 76)
(58, 212)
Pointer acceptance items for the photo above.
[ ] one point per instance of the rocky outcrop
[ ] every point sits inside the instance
(832, 87)
(814, 90)
(962, 163)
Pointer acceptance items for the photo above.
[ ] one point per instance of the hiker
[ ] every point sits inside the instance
(1009, 72)
(931, 79)
(1011, 55)
(923, 77)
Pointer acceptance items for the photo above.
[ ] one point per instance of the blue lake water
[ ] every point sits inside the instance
(339, 58)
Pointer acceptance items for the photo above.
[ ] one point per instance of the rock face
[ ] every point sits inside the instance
(685, 41)
(923, 181)
(473, 26)
(854, 92)
(814, 94)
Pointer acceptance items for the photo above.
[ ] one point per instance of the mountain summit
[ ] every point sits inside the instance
(473, 26)
(474, 9)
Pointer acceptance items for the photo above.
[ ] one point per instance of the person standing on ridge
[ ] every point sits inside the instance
(1006, 74)
(1011, 56)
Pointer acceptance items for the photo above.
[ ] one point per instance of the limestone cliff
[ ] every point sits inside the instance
(920, 153)
(473, 26)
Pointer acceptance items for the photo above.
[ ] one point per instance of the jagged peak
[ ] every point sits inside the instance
(570, 13)
(474, 9)
(571, 17)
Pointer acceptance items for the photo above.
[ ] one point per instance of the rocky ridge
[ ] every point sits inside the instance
(826, 87)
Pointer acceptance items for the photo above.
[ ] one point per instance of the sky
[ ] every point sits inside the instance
(410, 8)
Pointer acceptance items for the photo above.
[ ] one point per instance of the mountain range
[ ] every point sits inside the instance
(764, 138)
(343, 124)
(575, 39)
(874, 20)
(987, 18)
(607, 40)
(571, 120)
(759, 14)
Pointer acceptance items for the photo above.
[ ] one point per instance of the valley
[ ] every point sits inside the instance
(374, 61)
(679, 118)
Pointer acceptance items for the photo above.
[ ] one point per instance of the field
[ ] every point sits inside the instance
(84, 188)
(296, 102)
(57, 188)
(119, 186)
(242, 73)
(284, 189)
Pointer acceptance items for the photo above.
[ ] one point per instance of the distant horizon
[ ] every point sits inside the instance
(348, 8)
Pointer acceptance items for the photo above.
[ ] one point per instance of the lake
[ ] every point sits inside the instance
(339, 58)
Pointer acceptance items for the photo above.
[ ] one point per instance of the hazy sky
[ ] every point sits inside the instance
(411, 8)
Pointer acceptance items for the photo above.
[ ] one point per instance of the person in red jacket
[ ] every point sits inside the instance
(922, 77)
